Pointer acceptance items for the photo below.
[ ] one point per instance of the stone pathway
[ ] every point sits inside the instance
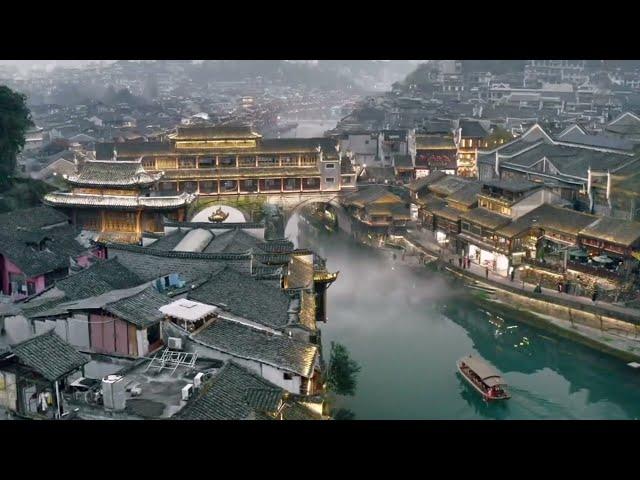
(428, 242)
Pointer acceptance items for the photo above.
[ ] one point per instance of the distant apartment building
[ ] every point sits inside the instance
(555, 71)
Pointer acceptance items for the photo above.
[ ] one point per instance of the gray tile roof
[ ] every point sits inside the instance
(235, 241)
(245, 296)
(149, 264)
(485, 218)
(32, 218)
(112, 173)
(420, 183)
(562, 220)
(39, 251)
(28, 258)
(66, 199)
(49, 356)
(168, 242)
(297, 411)
(602, 141)
(438, 142)
(101, 277)
(466, 195)
(235, 393)
(280, 351)
(572, 161)
(516, 186)
(141, 309)
(367, 195)
(449, 184)
(614, 230)
(472, 129)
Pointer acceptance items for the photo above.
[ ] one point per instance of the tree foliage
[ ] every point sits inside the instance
(343, 371)
(15, 120)
(23, 193)
(343, 414)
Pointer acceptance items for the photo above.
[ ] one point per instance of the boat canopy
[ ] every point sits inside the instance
(490, 376)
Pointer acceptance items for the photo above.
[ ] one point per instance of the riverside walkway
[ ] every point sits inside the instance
(426, 241)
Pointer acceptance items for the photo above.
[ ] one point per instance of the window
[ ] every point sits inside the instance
(207, 162)
(330, 165)
(366, 142)
(287, 376)
(465, 226)
(187, 162)
(247, 161)
(329, 180)
(227, 161)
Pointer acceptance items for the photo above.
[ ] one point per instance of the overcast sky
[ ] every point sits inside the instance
(28, 64)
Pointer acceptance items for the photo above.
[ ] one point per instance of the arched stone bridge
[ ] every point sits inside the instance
(250, 205)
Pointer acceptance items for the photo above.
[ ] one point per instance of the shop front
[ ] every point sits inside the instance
(496, 261)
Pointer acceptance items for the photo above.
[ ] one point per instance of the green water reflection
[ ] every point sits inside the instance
(407, 327)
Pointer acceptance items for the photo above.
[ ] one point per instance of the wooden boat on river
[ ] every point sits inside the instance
(486, 380)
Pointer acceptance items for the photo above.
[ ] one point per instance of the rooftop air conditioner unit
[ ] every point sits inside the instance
(114, 392)
(175, 343)
(197, 380)
(187, 391)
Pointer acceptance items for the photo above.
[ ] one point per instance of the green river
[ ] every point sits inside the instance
(407, 326)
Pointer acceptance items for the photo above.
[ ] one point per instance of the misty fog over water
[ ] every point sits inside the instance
(406, 327)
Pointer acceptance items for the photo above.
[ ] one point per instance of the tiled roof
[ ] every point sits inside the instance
(562, 220)
(572, 161)
(246, 342)
(466, 195)
(118, 201)
(101, 277)
(150, 264)
(235, 393)
(485, 218)
(168, 242)
(614, 230)
(112, 173)
(517, 186)
(307, 314)
(32, 218)
(420, 183)
(39, 251)
(369, 195)
(234, 241)
(449, 184)
(435, 142)
(49, 355)
(245, 296)
(141, 309)
(602, 141)
(472, 129)
(297, 411)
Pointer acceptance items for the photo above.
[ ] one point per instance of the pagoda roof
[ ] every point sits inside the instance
(72, 199)
(113, 174)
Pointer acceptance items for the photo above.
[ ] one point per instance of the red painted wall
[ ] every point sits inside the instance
(109, 335)
(7, 267)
